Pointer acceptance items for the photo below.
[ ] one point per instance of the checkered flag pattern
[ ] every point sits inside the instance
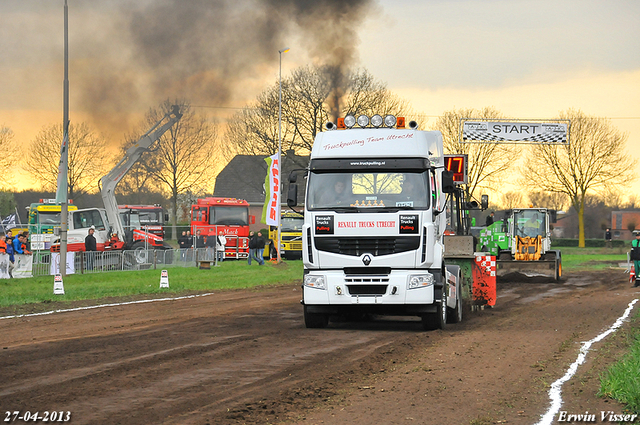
(488, 262)
(481, 135)
(550, 138)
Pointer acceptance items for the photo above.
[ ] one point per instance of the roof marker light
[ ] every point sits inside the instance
(363, 121)
(390, 121)
(376, 120)
(341, 125)
(400, 122)
(349, 121)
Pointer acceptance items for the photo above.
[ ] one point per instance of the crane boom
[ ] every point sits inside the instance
(111, 180)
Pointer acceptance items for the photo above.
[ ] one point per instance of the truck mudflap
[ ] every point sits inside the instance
(551, 269)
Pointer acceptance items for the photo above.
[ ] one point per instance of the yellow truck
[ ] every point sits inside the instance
(291, 236)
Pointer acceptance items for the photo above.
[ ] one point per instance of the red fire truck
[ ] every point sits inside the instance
(224, 216)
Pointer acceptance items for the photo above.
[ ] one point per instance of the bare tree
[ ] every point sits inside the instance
(511, 200)
(183, 158)
(550, 200)
(594, 160)
(88, 158)
(9, 153)
(306, 98)
(487, 161)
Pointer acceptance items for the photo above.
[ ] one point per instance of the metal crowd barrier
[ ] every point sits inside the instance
(47, 263)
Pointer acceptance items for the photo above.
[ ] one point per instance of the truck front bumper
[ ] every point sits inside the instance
(331, 291)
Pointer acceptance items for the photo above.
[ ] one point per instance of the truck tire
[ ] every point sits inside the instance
(437, 320)
(454, 315)
(140, 254)
(558, 274)
(315, 320)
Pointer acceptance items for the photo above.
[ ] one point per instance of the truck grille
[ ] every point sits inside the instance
(357, 246)
(367, 289)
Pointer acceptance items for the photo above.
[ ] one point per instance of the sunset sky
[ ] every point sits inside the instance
(528, 59)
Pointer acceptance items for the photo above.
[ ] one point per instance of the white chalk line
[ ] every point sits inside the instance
(554, 392)
(105, 305)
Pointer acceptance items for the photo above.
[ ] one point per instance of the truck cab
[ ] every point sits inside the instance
(44, 217)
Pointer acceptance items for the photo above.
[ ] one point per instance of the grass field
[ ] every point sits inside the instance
(228, 275)
(622, 381)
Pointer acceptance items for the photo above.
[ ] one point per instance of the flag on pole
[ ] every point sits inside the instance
(61, 191)
(9, 222)
(271, 209)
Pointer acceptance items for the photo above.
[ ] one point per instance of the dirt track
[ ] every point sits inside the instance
(245, 357)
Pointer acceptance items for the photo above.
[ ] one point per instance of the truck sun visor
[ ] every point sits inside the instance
(394, 164)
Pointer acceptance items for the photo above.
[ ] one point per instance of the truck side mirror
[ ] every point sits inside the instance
(292, 195)
(166, 217)
(553, 216)
(484, 201)
(252, 219)
(447, 182)
(293, 177)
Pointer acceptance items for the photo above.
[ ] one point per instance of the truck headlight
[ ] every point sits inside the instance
(420, 281)
(315, 281)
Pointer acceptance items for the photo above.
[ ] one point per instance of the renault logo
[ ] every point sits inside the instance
(366, 259)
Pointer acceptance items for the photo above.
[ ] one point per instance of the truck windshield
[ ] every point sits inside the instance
(149, 218)
(229, 216)
(292, 224)
(130, 220)
(530, 223)
(404, 190)
(49, 218)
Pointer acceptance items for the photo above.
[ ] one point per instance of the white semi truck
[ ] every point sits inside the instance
(374, 219)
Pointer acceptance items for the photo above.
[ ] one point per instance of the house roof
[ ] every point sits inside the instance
(244, 175)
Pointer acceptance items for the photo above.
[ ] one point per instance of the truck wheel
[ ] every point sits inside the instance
(558, 274)
(437, 320)
(315, 320)
(140, 254)
(454, 315)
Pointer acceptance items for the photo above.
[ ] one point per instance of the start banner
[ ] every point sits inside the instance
(514, 132)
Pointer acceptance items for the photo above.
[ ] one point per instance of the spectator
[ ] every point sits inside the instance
(183, 242)
(189, 239)
(635, 256)
(12, 259)
(199, 239)
(607, 238)
(260, 243)
(252, 247)
(221, 242)
(210, 242)
(3, 244)
(25, 244)
(19, 245)
(90, 246)
(489, 221)
(26, 240)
